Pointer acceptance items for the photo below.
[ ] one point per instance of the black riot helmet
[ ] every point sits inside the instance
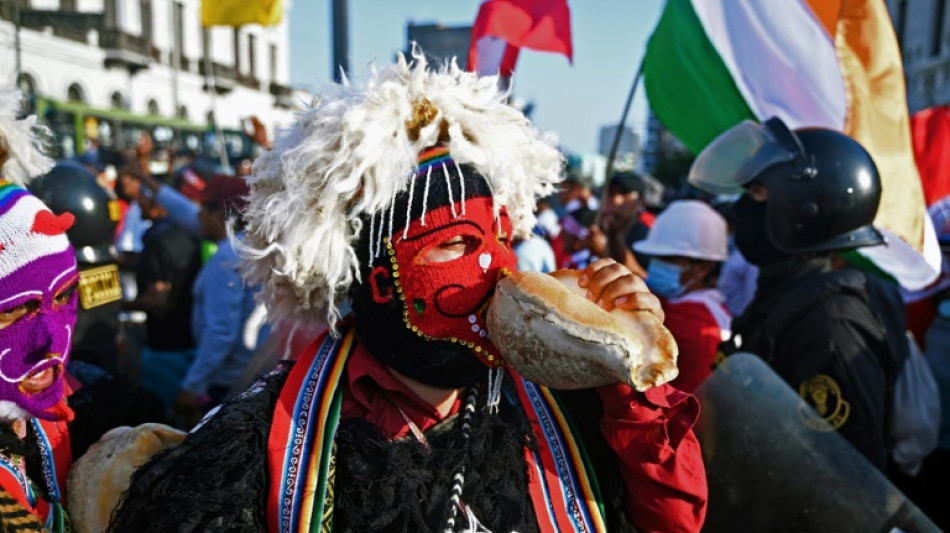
(69, 187)
(823, 187)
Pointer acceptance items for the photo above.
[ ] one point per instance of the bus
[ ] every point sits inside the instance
(76, 125)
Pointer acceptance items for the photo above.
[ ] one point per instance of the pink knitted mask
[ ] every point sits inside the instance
(37, 279)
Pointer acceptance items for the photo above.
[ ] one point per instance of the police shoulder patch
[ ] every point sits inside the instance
(823, 394)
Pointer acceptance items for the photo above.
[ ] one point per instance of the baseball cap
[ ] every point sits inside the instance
(225, 190)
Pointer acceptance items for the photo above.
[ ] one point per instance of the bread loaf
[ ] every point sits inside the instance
(550, 333)
(97, 480)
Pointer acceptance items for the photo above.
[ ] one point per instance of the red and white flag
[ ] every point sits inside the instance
(503, 27)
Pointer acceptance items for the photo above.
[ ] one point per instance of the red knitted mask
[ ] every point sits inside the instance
(447, 300)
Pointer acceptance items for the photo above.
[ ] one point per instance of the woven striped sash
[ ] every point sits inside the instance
(300, 449)
(16, 484)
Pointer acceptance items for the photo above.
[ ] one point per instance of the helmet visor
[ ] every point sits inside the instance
(736, 157)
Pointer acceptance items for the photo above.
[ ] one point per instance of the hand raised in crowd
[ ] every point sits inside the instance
(145, 145)
(258, 132)
(610, 285)
(143, 151)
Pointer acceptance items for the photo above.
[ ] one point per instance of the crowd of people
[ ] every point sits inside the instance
(184, 328)
(379, 225)
(778, 278)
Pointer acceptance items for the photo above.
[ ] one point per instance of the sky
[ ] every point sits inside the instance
(573, 101)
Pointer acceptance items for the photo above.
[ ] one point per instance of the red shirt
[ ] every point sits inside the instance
(647, 218)
(651, 432)
(372, 393)
(698, 336)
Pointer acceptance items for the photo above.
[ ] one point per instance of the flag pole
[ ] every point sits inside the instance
(616, 144)
(218, 137)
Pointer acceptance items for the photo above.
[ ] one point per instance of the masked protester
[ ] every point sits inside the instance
(688, 243)
(38, 279)
(404, 194)
(69, 188)
(806, 194)
(47, 417)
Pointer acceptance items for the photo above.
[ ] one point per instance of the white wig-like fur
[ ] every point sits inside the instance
(349, 155)
(21, 150)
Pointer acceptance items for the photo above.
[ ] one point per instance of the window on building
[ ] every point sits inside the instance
(111, 14)
(273, 63)
(251, 53)
(26, 85)
(117, 101)
(179, 33)
(237, 50)
(940, 9)
(75, 93)
(152, 107)
(145, 7)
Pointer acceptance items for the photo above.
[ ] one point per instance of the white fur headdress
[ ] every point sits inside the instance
(353, 151)
(21, 155)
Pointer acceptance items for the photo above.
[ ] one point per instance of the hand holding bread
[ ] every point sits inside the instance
(551, 331)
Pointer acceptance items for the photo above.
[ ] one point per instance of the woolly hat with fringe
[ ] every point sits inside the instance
(34, 254)
(21, 155)
(349, 155)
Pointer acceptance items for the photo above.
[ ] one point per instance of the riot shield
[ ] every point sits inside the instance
(774, 464)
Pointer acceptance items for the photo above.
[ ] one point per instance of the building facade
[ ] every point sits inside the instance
(106, 70)
(438, 42)
(924, 35)
(627, 149)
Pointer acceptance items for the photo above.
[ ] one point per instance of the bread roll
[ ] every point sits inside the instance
(97, 480)
(550, 333)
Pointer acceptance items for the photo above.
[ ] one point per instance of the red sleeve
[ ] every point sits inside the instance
(660, 459)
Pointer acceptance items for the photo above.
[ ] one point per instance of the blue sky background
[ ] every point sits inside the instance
(573, 101)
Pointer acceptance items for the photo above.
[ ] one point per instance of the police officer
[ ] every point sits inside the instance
(69, 187)
(805, 195)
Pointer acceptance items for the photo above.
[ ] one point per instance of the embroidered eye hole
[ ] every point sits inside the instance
(504, 238)
(450, 249)
(454, 242)
(9, 316)
(64, 296)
